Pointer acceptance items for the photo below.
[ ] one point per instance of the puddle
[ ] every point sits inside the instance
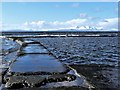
(37, 63)
(34, 48)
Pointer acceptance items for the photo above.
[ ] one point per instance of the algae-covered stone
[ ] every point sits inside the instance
(61, 77)
(35, 81)
(15, 82)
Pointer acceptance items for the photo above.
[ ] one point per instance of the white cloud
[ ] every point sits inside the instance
(82, 23)
(37, 25)
(107, 24)
(111, 23)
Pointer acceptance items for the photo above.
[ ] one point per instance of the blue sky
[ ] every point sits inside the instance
(46, 15)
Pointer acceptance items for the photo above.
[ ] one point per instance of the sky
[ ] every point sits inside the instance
(60, 0)
(58, 15)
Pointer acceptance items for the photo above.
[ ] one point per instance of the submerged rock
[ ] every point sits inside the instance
(14, 82)
(35, 81)
(61, 77)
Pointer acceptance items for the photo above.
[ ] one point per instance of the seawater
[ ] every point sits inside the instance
(84, 50)
(96, 58)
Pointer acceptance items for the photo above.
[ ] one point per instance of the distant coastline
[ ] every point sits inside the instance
(59, 33)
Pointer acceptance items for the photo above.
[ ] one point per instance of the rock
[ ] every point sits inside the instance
(15, 82)
(61, 77)
(35, 81)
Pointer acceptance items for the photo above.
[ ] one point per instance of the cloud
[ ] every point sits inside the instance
(54, 25)
(82, 23)
(106, 24)
(110, 24)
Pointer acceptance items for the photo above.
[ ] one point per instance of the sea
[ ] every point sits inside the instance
(95, 56)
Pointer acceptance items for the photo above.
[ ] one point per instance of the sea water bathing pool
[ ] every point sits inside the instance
(95, 59)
